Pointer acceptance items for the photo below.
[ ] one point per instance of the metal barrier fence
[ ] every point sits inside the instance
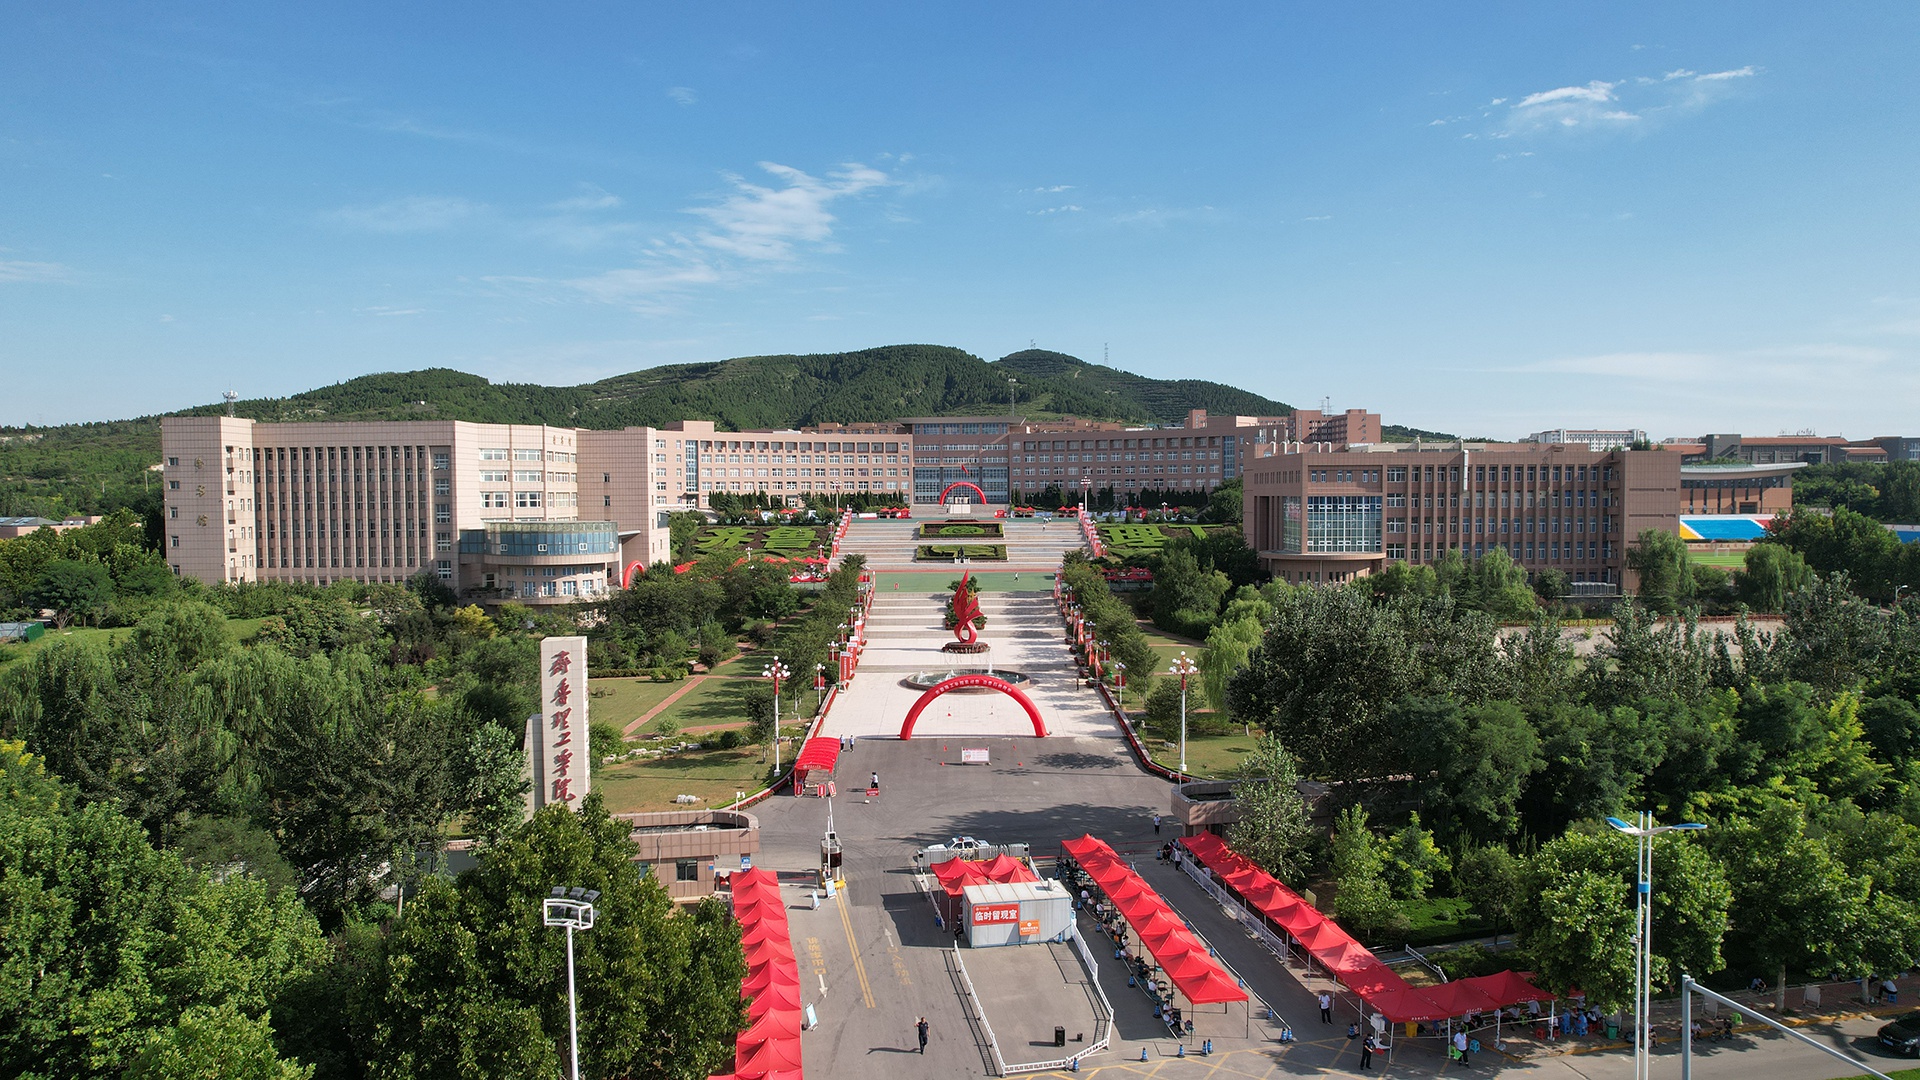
(979, 1014)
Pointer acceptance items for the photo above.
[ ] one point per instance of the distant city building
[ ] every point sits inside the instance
(1769, 450)
(1899, 448)
(1735, 487)
(22, 526)
(1329, 516)
(1592, 438)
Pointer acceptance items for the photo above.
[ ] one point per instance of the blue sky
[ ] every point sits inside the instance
(1484, 218)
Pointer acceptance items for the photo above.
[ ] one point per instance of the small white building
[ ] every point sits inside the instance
(1018, 913)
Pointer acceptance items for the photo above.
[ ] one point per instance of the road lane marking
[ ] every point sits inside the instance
(859, 967)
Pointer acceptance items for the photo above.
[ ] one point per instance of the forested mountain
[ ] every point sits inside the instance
(79, 468)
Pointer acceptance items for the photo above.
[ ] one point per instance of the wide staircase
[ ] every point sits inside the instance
(1032, 546)
(906, 630)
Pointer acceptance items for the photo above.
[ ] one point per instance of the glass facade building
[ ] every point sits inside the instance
(541, 539)
(1342, 524)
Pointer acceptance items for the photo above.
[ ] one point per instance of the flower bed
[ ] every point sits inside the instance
(778, 539)
(962, 531)
(956, 552)
(1125, 540)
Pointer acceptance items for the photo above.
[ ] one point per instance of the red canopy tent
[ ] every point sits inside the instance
(1178, 952)
(956, 874)
(1352, 963)
(769, 1048)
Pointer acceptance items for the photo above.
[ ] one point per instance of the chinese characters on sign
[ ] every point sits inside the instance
(558, 757)
(995, 914)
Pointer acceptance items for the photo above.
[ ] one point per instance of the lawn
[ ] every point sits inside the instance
(713, 775)
(714, 703)
(988, 580)
(242, 630)
(1724, 562)
(1441, 918)
(621, 701)
(1207, 755)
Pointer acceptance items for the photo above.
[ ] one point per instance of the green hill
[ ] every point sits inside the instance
(80, 468)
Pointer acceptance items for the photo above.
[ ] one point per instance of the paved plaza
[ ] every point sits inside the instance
(872, 960)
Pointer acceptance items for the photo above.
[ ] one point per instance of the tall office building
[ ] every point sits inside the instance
(1320, 516)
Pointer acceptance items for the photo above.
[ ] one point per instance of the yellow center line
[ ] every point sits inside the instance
(859, 968)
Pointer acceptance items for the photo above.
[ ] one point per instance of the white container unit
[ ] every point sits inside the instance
(1018, 913)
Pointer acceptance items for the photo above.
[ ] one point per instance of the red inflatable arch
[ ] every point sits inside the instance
(964, 682)
(964, 484)
(633, 568)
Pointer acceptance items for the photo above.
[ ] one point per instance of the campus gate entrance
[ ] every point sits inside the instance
(973, 682)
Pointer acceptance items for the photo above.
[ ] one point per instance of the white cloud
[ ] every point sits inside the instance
(765, 223)
(1068, 208)
(13, 271)
(683, 95)
(417, 213)
(1621, 104)
(1593, 91)
(1054, 190)
(591, 197)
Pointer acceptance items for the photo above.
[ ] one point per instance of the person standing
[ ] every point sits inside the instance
(1326, 1007)
(1156, 824)
(921, 1028)
(876, 782)
(1366, 1053)
(1460, 1047)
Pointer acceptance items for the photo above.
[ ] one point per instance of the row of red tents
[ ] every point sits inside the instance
(1352, 963)
(1185, 959)
(769, 1048)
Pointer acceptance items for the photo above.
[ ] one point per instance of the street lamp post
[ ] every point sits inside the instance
(819, 686)
(1643, 833)
(776, 671)
(1183, 667)
(1120, 677)
(573, 909)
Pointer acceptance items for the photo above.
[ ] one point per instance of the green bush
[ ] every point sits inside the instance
(729, 739)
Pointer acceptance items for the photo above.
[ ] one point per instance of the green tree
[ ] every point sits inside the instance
(1186, 594)
(472, 984)
(73, 589)
(1361, 898)
(1794, 905)
(1332, 662)
(1489, 878)
(1666, 575)
(1413, 861)
(1474, 762)
(494, 769)
(1228, 646)
(1576, 913)
(1273, 827)
(107, 943)
(215, 1043)
(1772, 573)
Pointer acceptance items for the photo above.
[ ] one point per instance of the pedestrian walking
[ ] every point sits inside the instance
(1156, 824)
(1326, 1007)
(1460, 1048)
(1366, 1053)
(921, 1027)
(876, 782)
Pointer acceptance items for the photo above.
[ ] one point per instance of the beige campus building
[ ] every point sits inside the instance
(523, 511)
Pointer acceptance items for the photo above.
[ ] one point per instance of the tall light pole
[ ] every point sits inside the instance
(1643, 833)
(1183, 667)
(573, 909)
(1120, 677)
(776, 671)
